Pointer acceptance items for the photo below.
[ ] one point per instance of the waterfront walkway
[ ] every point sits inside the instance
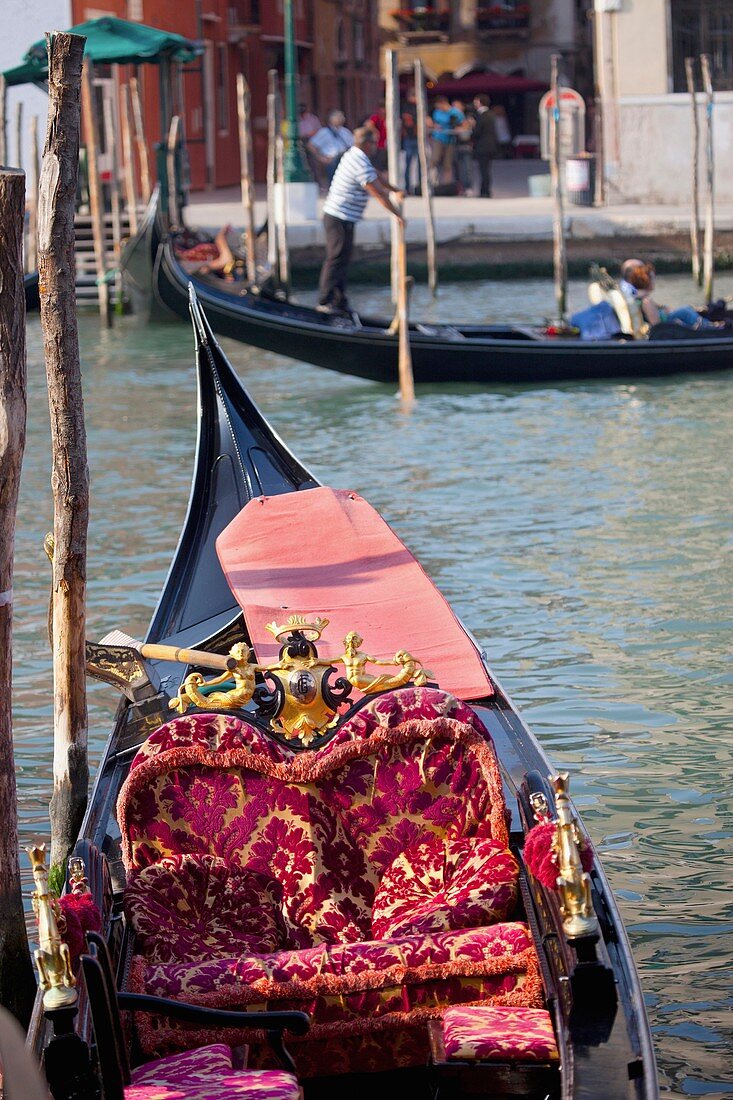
(511, 216)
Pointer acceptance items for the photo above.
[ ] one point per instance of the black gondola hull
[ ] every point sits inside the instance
(485, 355)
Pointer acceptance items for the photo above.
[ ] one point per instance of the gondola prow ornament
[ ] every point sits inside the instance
(298, 696)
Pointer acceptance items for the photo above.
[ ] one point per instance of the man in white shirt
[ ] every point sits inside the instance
(330, 143)
(354, 181)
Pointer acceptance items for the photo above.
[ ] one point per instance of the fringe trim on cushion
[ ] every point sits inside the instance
(261, 989)
(156, 1040)
(311, 767)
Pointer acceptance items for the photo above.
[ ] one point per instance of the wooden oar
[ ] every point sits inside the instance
(154, 652)
(407, 381)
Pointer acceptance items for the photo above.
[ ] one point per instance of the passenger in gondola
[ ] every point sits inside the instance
(355, 180)
(214, 258)
(637, 284)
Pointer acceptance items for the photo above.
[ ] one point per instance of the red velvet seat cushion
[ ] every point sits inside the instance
(352, 988)
(440, 884)
(206, 1074)
(497, 1033)
(189, 907)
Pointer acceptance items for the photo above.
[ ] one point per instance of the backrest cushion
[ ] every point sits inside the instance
(187, 905)
(325, 825)
(440, 885)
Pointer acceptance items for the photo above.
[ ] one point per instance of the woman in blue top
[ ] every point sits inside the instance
(445, 120)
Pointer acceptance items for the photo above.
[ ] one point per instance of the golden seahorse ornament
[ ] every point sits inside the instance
(234, 698)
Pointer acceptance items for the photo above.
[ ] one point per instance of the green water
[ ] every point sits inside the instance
(582, 532)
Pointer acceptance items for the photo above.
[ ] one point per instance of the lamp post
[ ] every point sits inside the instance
(294, 167)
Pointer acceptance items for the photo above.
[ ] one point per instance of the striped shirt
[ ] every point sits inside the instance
(347, 196)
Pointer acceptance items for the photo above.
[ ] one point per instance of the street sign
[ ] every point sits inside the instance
(572, 123)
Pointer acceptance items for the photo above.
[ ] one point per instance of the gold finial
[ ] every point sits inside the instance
(53, 960)
(573, 883)
(310, 629)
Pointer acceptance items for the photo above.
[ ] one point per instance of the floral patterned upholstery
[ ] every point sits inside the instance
(439, 884)
(206, 1074)
(213, 801)
(186, 905)
(499, 1034)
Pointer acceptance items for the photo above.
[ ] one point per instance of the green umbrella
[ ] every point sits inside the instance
(110, 41)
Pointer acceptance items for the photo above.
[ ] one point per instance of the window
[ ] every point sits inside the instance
(222, 89)
(703, 26)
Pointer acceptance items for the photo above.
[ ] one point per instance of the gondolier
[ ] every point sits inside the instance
(355, 180)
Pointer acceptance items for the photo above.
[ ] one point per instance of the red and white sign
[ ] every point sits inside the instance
(572, 123)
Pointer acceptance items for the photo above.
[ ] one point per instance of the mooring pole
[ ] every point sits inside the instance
(17, 985)
(558, 228)
(244, 113)
(426, 186)
(96, 198)
(128, 162)
(283, 256)
(19, 135)
(3, 121)
(69, 473)
(392, 105)
(272, 173)
(114, 189)
(695, 219)
(707, 267)
(32, 200)
(142, 145)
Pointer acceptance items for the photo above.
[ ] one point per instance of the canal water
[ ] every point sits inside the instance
(582, 532)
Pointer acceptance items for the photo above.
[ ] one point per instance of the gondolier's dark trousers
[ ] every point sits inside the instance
(339, 243)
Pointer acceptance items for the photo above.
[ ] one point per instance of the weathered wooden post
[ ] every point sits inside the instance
(19, 135)
(17, 986)
(392, 110)
(174, 213)
(31, 255)
(114, 189)
(707, 263)
(96, 199)
(3, 122)
(142, 146)
(558, 228)
(695, 220)
(271, 172)
(244, 112)
(283, 256)
(128, 162)
(69, 476)
(426, 187)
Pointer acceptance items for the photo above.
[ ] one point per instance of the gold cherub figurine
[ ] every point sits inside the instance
(354, 662)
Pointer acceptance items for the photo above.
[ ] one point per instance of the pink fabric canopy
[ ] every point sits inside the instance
(327, 552)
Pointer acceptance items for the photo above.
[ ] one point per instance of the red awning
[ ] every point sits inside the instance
(326, 552)
(492, 83)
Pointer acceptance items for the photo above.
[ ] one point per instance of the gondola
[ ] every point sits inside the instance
(441, 353)
(323, 743)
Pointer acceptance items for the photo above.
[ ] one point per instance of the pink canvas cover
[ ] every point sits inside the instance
(327, 552)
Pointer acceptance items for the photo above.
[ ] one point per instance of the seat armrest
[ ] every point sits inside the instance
(296, 1022)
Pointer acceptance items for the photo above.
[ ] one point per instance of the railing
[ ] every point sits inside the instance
(422, 20)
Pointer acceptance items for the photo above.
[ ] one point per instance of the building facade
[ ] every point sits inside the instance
(457, 38)
(337, 50)
(640, 49)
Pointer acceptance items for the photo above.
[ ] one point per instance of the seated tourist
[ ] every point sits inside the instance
(637, 283)
(213, 258)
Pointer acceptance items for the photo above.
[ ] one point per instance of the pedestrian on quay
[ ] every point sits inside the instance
(354, 181)
(308, 126)
(330, 143)
(408, 119)
(485, 144)
(444, 122)
(378, 123)
(463, 164)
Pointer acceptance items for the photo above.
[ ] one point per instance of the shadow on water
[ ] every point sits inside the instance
(583, 534)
